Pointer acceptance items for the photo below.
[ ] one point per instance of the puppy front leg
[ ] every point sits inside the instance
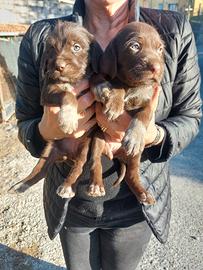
(115, 104)
(134, 139)
(68, 114)
(134, 182)
(60, 95)
(112, 98)
(100, 88)
(138, 97)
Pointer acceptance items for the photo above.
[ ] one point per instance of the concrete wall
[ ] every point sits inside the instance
(28, 11)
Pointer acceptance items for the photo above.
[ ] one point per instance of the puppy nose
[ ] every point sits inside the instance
(155, 68)
(60, 65)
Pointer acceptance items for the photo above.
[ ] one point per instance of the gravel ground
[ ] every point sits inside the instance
(24, 244)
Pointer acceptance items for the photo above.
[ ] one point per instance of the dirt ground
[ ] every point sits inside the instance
(22, 224)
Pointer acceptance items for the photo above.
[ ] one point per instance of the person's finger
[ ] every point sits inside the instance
(155, 97)
(89, 124)
(85, 101)
(80, 86)
(51, 109)
(84, 117)
(81, 131)
(100, 116)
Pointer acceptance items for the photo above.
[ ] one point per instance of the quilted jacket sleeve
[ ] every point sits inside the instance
(182, 125)
(28, 109)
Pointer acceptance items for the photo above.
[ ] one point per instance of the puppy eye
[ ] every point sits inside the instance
(76, 47)
(135, 46)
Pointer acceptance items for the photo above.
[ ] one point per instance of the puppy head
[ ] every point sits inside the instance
(135, 55)
(66, 55)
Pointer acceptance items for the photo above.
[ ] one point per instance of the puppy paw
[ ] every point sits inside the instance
(96, 191)
(146, 198)
(133, 143)
(137, 97)
(102, 92)
(113, 108)
(68, 119)
(132, 103)
(105, 94)
(65, 191)
(134, 140)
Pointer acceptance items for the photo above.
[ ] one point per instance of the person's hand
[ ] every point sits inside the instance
(48, 126)
(152, 129)
(115, 130)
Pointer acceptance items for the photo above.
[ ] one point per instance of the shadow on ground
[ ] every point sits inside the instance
(189, 162)
(12, 259)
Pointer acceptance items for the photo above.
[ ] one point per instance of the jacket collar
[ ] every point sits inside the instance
(79, 11)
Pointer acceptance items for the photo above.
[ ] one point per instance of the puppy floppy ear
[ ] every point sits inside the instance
(43, 67)
(108, 63)
(86, 35)
(95, 56)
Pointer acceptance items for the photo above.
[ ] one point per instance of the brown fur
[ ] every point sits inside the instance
(65, 61)
(132, 68)
(123, 92)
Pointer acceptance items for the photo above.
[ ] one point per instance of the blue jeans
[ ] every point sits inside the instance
(87, 248)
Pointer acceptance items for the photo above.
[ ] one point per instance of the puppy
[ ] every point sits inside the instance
(132, 68)
(65, 61)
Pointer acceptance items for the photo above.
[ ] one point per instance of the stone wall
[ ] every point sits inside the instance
(28, 11)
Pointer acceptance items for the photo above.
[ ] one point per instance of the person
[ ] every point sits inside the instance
(112, 232)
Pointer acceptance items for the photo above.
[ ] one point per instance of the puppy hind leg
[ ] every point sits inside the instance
(134, 182)
(67, 189)
(96, 188)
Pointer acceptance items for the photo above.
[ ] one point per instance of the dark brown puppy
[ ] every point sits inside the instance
(65, 61)
(133, 64)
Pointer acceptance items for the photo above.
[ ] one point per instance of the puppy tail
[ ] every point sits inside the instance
(39, 171)
(121, 176)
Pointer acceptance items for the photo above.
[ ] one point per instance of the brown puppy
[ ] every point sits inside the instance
(65, 61)
(132, 66)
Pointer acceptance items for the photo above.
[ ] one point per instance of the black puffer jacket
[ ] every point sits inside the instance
(178, 112)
